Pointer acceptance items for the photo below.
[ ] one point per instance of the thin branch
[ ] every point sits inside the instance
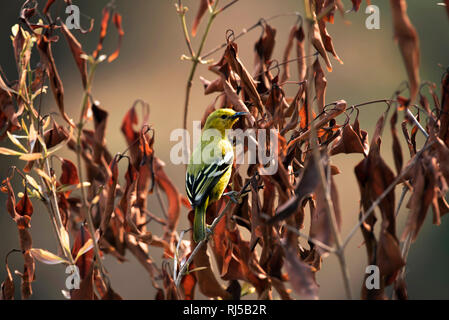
(246, 30)
(195, 58)
(385, 193)
(200, 244)
(401, 199)
(226, 6)
(328, 204)
(85, 208)
(410, 114)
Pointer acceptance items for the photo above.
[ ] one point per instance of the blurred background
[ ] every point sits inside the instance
(149, 68)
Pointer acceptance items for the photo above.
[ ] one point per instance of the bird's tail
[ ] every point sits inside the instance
(199, 222)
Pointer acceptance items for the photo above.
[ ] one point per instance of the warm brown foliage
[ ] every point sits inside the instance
(105, 216)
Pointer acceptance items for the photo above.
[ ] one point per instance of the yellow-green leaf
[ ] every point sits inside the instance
(85, 248)
(9, 152)
(30, 156)
(33, 182)
(46, 257)
(65, 239)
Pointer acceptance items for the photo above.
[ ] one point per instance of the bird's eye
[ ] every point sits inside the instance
(224, 116)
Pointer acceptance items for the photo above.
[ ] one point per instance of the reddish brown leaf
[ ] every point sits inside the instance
(288, 48)
(203, 7)
(320, 85)
(45, 50)
(7, 287)
(188, 284)
(397, 150)
(308, 182)
(300, 53)
(348, 142)
(247, 82)
(265, 45)
(77, 52)
(103, 31)
(117, 19)
(327, 41)
(207, 283)
(111, 295)
(69, 175)
(84, 262)
(317, 42)
(24, 207)
(173, 196)
(86, 290)
(444, 117)
(320, 227)
(356, 4)
(389, 257)
(427, 184)
(408, 41)
(300, 275)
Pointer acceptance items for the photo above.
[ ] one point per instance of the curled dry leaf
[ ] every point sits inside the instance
(207, 283)
(444, 117)
(46, 53)
(288, 48)
(106, 15)
(203, 7)
(301, 276)
(317, 42)
(77, 52)
(247, 81)
(300, 53)
(320, 85)
(117, 19)
(408, 41)
(7, 287)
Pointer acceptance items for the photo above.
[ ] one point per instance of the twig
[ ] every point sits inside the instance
(410, 114)
(322, 175)
(226, 6)
(175, 258)
(246, 30)
(182, 15)
(401, 199)
(305, 236)
(200, 244)
(384, 194)
(84, 203)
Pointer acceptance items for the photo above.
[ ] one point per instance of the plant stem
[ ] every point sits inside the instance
(84, 203)
(246, 30)
(322, 175)
(195, 58)
(200, 244)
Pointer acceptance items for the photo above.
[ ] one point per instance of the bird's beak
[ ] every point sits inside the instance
(238, 115)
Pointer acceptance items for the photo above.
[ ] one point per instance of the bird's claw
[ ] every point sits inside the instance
(208, 231)
(233, 196)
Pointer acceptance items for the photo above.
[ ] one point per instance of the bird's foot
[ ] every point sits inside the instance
(233, 196)
(208, 231)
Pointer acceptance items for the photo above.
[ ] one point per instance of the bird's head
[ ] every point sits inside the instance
(223, 119)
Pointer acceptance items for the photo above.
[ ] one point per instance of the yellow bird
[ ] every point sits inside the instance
(210, 166)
